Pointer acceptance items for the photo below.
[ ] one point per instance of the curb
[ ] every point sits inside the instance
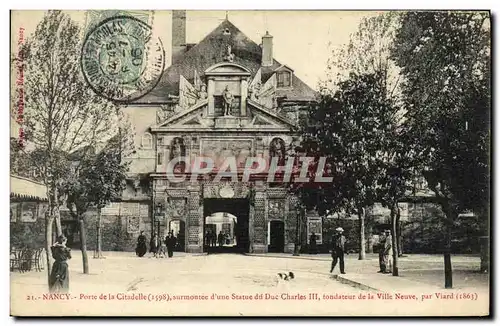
(355, 284)
(287, 257)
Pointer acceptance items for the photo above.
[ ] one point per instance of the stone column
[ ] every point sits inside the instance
(211, 100)
(259, 226)
(244, 95)
(194, 220)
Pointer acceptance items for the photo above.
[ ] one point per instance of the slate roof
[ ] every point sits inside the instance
(210, 51)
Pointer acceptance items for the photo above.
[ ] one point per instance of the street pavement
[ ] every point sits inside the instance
(415, 270)
(219, 285)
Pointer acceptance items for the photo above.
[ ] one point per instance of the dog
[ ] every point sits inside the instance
(286, 276)
(283, 280)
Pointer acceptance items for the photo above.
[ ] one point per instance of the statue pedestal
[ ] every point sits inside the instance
(227, 121)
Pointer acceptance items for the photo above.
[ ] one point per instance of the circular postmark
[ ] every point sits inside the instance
(121, 59)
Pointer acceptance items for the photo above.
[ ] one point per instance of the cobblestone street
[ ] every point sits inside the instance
(233, 278)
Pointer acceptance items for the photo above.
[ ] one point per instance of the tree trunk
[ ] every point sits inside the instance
(394, 229)
(361, 218)
(484, 242)
(399, 240)
(448, 272)
(57, 214)
(49, 220)
(83, 243)
(99, 236)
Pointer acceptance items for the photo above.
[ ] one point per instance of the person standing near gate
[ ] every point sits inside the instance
(170, 242)
(154, 245)
(220, 239)
(312, 244)
(141, 248)
(381, 250)
(59, 277)
(338, 249)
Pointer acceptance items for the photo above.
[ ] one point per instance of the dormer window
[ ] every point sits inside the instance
(284, 79)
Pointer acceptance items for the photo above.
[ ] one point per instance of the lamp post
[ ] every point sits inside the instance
(158, 213)
(298, 231)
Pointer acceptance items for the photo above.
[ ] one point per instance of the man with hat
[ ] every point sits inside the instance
(388, 252)
(170, 242)
(338, 249)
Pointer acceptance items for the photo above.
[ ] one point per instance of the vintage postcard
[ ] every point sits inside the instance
(250, 163)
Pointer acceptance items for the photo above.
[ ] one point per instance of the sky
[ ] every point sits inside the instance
(302, 40)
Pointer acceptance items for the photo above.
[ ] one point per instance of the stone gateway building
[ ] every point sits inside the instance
(223, 97)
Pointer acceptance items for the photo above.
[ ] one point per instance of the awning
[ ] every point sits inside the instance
(24, 188)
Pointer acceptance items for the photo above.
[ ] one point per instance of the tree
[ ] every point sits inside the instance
(366, 56)
(445, 60)
(107, 176)
(96, 180)
(62, 114)
(348, 128)
(368, 51)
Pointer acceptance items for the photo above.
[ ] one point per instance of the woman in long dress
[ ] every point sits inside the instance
(141, 245)
(59, 277)
(153, 245)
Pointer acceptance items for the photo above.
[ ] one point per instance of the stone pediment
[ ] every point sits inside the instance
(227, 69)
(195, 119)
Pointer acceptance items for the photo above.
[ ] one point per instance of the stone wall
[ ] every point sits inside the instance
(116, 234)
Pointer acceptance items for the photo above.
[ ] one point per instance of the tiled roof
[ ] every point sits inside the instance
(210, 51)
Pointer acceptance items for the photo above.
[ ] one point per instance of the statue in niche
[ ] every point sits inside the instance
(277, 149)
(178, 149)
(228, 56)
(228, 101)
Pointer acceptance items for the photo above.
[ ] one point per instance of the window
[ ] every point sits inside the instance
(147, 140)
(160, 159)
(284, 79)
(160, 141)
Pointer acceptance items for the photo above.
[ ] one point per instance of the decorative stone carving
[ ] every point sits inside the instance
(276, 209)
(277, 148)
(177, 207)
(228, 55)
(163, 113)
(226, 192)
(188, 95)
(203, 93)
(220, 149)
(260, 235)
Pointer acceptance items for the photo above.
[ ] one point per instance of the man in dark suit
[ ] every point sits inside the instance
(170, 242)
(338, 249)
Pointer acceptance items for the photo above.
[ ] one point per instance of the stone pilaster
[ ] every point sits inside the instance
(244, 95)
(211, 99)
(194, 220)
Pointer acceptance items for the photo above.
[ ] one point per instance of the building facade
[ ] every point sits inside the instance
(223, 97)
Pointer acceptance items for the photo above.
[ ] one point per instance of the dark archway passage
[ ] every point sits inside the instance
(178, 228)
(276, 236)
(239, 208)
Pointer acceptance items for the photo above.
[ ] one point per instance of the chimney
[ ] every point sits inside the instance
(267, 50)
(178, 34)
